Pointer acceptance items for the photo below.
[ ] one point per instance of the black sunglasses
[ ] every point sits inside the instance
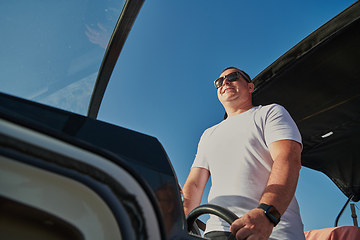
(231, 77)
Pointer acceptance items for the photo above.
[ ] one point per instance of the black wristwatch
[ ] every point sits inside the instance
(271, 213)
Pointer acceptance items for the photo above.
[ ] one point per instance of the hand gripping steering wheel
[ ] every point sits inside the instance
(221, 212)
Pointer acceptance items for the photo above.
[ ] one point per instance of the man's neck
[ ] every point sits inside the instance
(235, 110)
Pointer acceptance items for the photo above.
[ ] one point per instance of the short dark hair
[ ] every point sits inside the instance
(244, 73)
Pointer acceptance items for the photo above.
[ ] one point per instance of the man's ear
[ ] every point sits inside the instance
(251, 87)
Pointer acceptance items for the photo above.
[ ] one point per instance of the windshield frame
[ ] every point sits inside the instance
(122, 29)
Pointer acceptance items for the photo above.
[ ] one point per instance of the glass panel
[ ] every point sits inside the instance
(51, 51)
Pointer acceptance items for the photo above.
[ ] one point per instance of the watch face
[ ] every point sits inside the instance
(273, 218)
(271, 213)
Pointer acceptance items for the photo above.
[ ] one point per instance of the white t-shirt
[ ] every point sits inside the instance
(236, 153)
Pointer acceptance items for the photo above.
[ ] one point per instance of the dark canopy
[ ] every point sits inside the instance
(318, 82)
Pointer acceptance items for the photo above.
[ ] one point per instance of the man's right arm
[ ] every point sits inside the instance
(194, 188)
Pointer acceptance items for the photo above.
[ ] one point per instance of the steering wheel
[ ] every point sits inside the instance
(221, 212)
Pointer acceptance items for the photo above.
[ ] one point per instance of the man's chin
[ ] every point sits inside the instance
(228, 97)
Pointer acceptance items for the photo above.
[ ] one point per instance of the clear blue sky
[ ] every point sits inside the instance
(163, 83)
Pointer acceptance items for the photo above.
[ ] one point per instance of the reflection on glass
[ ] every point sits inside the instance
(168, 200)
(51, 51)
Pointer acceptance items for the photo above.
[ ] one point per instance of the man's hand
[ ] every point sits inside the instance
(254, 225)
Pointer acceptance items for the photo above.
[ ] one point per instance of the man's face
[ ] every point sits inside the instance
(239, 90)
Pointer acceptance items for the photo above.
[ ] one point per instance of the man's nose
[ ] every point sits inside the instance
(226, 81)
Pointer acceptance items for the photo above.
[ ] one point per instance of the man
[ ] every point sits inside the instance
(253, 157)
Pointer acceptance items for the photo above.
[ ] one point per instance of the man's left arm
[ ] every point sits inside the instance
(279, 191)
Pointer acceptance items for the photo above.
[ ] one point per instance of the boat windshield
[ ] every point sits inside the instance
(51, 52)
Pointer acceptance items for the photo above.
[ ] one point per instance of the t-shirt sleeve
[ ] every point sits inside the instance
(200, 158)
(280, 126)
